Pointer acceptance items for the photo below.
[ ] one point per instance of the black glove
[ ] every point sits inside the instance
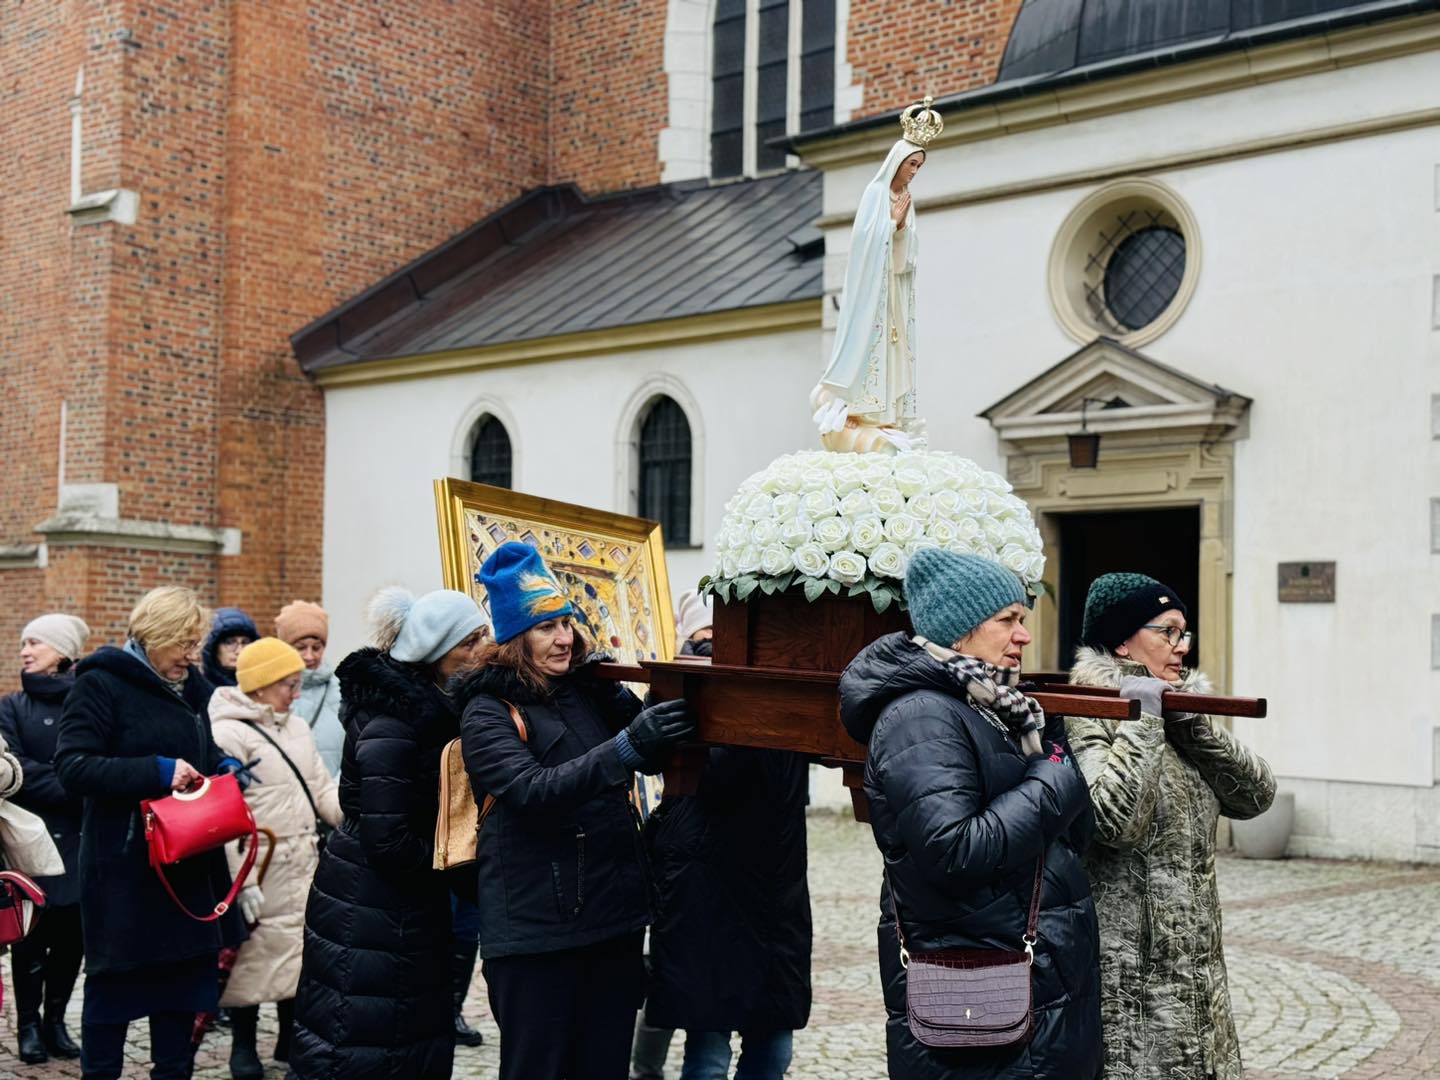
(660, 727)
(1146, 690)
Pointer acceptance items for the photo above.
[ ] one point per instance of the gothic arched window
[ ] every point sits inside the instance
(664, 487)
(772, 72)
(490, 453)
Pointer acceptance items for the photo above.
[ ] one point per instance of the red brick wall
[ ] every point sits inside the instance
(901, 52)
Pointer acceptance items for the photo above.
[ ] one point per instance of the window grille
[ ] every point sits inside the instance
(490, 453)
(771, 82)
(1134, 270)
(727, 113)
(817, 66)
(665, 470)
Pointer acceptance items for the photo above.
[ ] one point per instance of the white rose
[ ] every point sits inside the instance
(848, 478)
(729, 565)
(943, 531)
(974, 500)
(857, 504)
(921, 507)
(748, 559)
(758, 506)
(1014, 557)
(1035, 568)
(887, 500)
(817, 504)
(947, 503)
(910, 479)
(995, 482)
(968, 529)
(887, 560)
(815, 479)
(796, 531)
(994, 534)
(866, 533)
(810, 559)
(832, 533)
(846, 567)
(901, 528)
(786, 504)
(915, 545)
(764, 532)
(1016, 531)
(776, 559)
(877, 473)
(785, 478)
(733, 536)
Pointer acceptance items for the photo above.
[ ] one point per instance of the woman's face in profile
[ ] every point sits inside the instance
(1000, 639)
(550, 644)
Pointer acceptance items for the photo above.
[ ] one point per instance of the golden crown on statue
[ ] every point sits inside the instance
(920, 128)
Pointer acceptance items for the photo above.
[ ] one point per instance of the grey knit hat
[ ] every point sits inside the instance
(1117, 605)
(949, 593)
(65, 634)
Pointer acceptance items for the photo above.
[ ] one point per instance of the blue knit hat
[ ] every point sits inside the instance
(433, 624)
(522, 590)
(1117, 605)
(951, 593)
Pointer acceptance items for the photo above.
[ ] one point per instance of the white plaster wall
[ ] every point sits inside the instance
(1315, 300)
(386, 444)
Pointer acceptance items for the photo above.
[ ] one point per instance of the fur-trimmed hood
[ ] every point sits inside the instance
(373, 680)
(1101, 667)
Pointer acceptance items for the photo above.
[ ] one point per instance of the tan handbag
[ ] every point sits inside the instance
(26, 844)
(457, 829)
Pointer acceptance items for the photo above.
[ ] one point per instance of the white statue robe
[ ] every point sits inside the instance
(872, 364)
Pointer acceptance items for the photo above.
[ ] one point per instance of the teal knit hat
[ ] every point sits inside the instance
(1117, 605)
(949, 593)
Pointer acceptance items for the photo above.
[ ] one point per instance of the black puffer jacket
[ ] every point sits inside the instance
(560, 860)
(730, 948)
(30, 726)
(118, 718)
(960, 816)
(374, 995)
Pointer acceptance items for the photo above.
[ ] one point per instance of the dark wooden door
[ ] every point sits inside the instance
(1162, 543)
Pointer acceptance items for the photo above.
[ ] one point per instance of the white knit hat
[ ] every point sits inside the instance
(65, 634)
(696, 613)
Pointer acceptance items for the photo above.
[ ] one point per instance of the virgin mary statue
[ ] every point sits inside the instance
(866, 398)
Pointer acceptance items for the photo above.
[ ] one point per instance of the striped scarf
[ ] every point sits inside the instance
(995, 691)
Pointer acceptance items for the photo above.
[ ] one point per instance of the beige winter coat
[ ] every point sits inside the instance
(1159, 789)
(268, 967)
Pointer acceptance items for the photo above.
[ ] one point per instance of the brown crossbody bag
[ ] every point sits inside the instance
(970, 997)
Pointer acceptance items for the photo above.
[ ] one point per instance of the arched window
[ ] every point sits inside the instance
(772, 72)
(665, 470)
(490, 453)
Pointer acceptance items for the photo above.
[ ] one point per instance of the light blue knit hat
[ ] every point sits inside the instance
(422, 631)
(950, 593)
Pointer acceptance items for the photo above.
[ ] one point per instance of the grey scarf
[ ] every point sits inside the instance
(994, 690)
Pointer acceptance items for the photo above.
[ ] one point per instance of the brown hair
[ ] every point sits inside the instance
(515, 655)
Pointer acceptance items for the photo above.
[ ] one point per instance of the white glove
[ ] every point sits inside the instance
(897, 438)
(832, 416)
(251, 900)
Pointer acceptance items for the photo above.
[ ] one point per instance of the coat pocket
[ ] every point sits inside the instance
(567, 875)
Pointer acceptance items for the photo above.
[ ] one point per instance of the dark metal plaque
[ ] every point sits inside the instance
(1307, 582)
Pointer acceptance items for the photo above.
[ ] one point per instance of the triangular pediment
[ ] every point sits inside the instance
(1117, 390)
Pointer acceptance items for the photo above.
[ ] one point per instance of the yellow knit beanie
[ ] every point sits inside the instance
(265, 662)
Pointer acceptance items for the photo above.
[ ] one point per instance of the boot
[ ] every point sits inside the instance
(57, 1039)
(31, 1045)
(462, 969)
(244, 1061)
(29, 987)
(285, 1013)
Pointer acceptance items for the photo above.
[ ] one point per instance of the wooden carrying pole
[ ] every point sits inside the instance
(1043, 683)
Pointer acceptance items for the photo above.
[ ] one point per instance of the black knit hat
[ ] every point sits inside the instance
(1119, 604)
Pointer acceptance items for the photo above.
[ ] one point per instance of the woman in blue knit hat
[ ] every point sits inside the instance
(374, 993)
(563, 887)
(1159, 786)
(979, 813)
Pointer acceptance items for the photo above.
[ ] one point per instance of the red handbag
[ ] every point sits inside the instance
(21, 901)
(190, 823)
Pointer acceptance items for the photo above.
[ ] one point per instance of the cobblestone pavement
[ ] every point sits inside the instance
(1334, 973)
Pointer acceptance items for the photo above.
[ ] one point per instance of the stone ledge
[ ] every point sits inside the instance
(120, 205)
(22, 556)
(84, 530)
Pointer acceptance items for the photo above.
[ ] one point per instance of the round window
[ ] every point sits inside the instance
(1125, 263)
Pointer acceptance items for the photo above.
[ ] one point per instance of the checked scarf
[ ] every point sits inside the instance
(995, 690)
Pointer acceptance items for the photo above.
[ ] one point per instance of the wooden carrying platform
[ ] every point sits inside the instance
(773, 682)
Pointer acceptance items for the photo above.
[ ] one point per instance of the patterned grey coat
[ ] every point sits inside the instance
(1158, 791)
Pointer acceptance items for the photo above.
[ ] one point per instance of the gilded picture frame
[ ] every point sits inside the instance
(611, 565)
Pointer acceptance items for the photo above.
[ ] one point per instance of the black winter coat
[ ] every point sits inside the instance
(374, 994)
(960, 816)
(730, 948)
(117, 719)
(561, 861)
(30, 726)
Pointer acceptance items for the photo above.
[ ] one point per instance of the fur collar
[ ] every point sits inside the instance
(137, 672)
(375, 681)
(1101, 667)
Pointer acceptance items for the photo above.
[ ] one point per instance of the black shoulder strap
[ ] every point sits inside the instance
(279, 750)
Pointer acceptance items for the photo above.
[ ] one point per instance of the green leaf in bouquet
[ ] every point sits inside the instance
(744, 586)
(882, 599)
(857, 589)
(767, 586)
(723, 589)
(814, 588)
(832, 586)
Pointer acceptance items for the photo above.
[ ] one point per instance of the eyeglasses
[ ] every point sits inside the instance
(1173, 634)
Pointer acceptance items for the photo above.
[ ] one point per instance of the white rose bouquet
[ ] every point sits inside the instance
(825, 522)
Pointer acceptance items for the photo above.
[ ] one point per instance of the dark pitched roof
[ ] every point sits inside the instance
(555, 261)
(1058, 43)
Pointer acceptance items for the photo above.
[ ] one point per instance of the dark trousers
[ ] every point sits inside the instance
(567, 1015)
(46, 963)
(172, 1054)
